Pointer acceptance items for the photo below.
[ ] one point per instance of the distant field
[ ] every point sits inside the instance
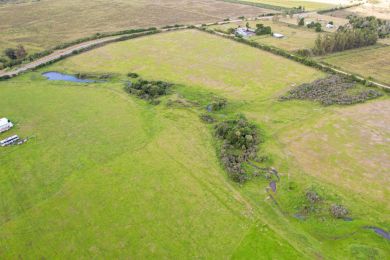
(309, 5)
(107, 175)
(42, 24)
(372, 62)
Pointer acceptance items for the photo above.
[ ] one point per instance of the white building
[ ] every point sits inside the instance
(245, 32)
(330, 26)
(278, 35)
(5, 125)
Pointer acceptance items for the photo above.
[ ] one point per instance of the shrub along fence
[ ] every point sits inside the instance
(96, 36)
(123, 38)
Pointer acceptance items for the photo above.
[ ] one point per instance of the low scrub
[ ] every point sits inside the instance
(217, 104)
(331, 90)
(148, 90)
(239, 145)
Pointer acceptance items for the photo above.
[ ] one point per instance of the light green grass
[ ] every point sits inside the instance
(109, 176)
(373, 61)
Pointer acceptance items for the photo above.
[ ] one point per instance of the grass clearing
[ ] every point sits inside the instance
(109, 175)
(373, 61)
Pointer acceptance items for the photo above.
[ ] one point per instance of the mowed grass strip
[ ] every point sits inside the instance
(371, 61)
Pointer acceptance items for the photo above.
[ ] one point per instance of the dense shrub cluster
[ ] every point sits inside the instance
(317, 26)
(148, 90)
(239, 144)
(331, 90)
(262, 30)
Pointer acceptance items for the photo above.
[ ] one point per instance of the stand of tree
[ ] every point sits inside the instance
(239, 145)
(382, 27)
(148, 90)
(344, 39)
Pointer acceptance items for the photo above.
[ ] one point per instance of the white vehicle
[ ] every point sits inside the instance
(10, 140)
(5, 125)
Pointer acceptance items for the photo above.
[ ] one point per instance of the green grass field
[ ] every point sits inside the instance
(106, 175)
(373, 61)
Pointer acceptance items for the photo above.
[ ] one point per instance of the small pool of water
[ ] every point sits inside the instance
(52, 75)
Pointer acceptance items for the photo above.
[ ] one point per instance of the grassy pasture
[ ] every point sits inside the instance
(373, 61)
(43, 24)
(108, 175)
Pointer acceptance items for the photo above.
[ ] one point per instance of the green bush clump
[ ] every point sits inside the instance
(132, 75)
(338, 211)
(217, 104)
(207, 118)
(239, 145)
(331, 90)
(148, 90)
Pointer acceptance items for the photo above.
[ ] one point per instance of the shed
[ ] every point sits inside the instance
(330, 26)
(5, 124)
(278, 35)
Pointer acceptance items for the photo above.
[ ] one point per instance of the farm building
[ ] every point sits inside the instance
(330, 26)
(278, 35)
(245, 32)
(5, 125)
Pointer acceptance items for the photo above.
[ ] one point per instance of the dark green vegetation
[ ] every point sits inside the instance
(332, 90)
(239, 145)
(148, 90)
(263, 30)
(382, 27)
(365, 31)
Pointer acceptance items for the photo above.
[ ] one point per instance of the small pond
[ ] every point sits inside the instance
(52, 75)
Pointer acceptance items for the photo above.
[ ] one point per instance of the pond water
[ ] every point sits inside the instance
(52, 75)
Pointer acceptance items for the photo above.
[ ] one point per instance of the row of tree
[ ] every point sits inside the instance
(344, 39)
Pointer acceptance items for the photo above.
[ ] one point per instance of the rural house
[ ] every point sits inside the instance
(5, 124)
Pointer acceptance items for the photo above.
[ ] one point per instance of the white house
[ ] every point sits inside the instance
(5, 125)
(245, 32)
(330, 26)
(278, 35)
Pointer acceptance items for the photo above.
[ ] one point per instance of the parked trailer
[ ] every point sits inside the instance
(10, 140)
(5, 124)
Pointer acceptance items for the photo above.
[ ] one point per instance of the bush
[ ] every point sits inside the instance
(333, 89)
(239, 145)
(217, 104)
(262, 30)
(338, 211)
(312, 197)
(132, 75)
(207, 118)
(148, 90)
